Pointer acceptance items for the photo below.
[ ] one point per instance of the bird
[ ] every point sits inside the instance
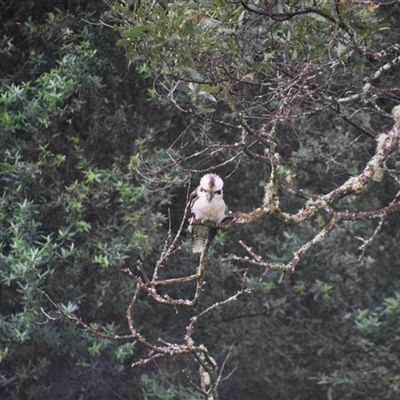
(207, 204)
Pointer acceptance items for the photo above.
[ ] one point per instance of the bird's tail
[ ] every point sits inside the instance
(199, 238)
(200, 235)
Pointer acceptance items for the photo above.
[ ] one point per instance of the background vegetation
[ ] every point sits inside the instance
(110, 113)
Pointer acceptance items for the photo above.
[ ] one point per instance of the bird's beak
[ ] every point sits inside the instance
(209, 196)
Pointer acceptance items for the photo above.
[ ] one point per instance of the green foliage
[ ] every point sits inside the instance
(73, 211)
(152, 389)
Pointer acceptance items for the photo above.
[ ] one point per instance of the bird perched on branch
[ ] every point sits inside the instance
(207, 204)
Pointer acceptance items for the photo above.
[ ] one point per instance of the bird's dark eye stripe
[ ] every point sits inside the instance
(218, 192)
(201, 189)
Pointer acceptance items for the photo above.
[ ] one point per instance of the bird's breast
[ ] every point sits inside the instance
(210, 211)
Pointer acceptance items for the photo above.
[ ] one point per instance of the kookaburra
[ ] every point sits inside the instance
(207, 204)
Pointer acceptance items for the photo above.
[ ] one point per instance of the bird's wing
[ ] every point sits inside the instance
(193, 196)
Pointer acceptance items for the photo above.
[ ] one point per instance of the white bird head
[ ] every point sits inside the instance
(211, 186)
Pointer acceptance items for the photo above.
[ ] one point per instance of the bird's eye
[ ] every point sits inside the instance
(201, 189)
(218, 192)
